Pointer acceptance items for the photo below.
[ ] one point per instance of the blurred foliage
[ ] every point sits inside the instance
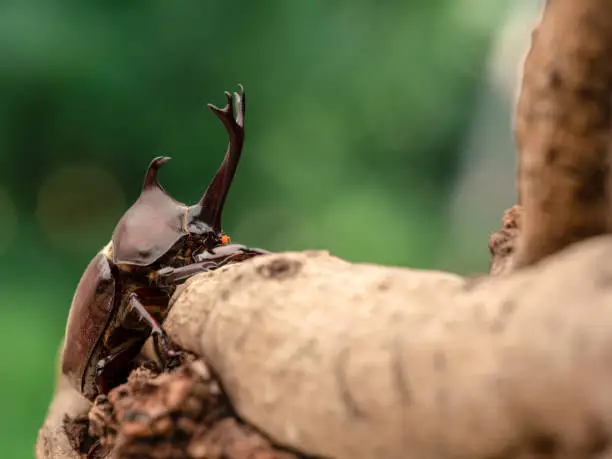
(356, 111)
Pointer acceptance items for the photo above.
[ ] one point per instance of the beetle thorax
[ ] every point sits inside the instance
(180, 254)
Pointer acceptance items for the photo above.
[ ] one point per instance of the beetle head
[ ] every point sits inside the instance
(156, 221)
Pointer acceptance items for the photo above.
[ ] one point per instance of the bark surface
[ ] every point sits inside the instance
(563, 129)
(344, 360)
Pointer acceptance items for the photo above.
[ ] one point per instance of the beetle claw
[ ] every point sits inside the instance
(91, 453)
(168, 357)
(173, 359)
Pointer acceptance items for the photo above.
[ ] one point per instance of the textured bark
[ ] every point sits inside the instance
(502, 243)
(178, 414)
(357, 361)
(362, 361)
(563, 128)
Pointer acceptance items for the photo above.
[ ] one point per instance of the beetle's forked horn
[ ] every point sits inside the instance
(214, 197)
(150, 180)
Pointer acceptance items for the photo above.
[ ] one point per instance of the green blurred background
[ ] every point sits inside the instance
(364, 125)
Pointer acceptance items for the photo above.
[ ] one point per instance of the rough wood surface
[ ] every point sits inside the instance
(563, 128)
(502, 243)
(360, 361)
(363, 361)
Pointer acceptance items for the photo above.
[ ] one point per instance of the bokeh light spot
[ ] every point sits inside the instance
(78, 207)
(8, 221)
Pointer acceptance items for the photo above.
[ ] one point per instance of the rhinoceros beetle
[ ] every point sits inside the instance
(123, 295)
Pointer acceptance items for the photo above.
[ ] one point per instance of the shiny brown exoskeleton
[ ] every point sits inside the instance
(159, 242)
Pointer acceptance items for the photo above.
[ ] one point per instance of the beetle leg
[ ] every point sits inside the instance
(106, 365)
(162, 347)
(237, 252)
(168, 276)
(205, 262)
(93, 449)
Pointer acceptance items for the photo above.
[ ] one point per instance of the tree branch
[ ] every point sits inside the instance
(563, 129)
(358, 361)
(362, 361)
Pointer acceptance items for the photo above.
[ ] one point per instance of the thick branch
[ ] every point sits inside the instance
(563, 128)
(361, 361)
